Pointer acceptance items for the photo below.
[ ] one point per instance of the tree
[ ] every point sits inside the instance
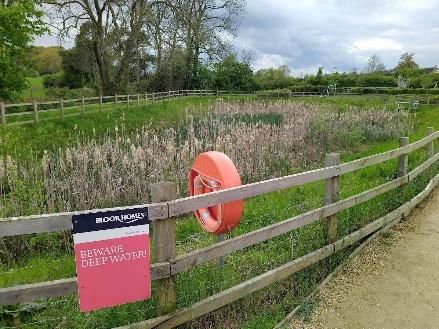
(274, 78)
(163, 41)
(231, 74)
(203, 27)
(84, 72)
(407, 61)
(103, 17)
(375, 64)
(20, 21)
(46, 60)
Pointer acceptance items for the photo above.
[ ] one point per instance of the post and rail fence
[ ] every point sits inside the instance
(32, 110)
(165, 210)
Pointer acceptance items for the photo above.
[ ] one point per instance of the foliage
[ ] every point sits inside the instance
(136, 41)
(273, 78)
(230, 74)
(20, 21)
(407, 61)
(67, 186)
(79, 73)
(426, 81)
(55, 80)
(46, 60)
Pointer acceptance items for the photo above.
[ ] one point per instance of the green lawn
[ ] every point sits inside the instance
(35, 89)
(260, 310)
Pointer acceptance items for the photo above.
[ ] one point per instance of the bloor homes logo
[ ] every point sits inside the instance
(125, 218)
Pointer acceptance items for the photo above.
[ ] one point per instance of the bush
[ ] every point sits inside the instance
(55, 80)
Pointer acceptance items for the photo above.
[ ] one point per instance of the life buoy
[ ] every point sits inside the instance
(213, 171)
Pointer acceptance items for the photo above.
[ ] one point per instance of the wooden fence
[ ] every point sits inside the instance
(32, 110)
(165, 209)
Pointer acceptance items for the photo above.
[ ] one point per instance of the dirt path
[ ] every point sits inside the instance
(392, 284)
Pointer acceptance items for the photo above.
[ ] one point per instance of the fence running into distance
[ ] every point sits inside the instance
(165, 209)
(26, 113)
(71, 107)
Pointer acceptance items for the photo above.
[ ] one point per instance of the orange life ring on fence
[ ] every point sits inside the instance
(213, 171)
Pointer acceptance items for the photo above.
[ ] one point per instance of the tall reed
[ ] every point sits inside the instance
(264, 139)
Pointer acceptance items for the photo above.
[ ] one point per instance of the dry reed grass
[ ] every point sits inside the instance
(264, 139)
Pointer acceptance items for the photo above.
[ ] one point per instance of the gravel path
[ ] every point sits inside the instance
(392, 284)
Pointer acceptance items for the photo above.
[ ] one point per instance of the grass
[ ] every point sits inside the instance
(35, 89)
(260, 310)
(55, 133)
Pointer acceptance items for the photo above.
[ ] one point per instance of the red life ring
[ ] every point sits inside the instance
(213, 171)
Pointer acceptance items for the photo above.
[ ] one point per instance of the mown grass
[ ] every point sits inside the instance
(35, 89)
(262, 309)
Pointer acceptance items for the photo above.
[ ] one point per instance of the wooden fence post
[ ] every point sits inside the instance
(403, 159)
(169, 95)
(35, 104)
(83, 105)
(128, 101)
(430, 150)
(430, 146)
(100, 103)
(138, 100)
(153, 96)
(3, 112)
(61, 108)
(164, 246)
(220, 260)
(146, 98)
(115, 101)
(332, 189)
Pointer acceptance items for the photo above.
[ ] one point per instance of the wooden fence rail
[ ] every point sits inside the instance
(164, 211)
(81, 103)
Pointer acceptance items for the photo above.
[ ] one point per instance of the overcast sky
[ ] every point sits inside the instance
(336, 34)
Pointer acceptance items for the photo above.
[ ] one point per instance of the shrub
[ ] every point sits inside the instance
(55, 80)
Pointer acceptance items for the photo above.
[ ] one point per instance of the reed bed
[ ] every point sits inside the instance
(264, 140)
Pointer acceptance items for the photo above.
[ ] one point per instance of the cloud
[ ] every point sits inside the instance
(376, 44)
(338, 35)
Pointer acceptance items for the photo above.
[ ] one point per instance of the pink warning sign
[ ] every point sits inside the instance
(112, 257)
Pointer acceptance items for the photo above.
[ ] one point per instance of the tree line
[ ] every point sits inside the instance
(157, 45)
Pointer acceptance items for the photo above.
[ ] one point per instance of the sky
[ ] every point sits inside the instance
(338, 35)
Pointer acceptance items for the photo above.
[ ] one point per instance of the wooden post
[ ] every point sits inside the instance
(169, 95)
(164, 247)
(100, 103)
(430, 146)
(138, 100)
(61, 108)
(403, 159)
(153, 96)
(3, 112)
(115, 101)
(332, 189)
(128, 101)
(220, 260)
(35, 111)
(146, 98)
(83, 105)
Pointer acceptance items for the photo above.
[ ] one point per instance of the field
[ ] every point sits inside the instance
(35, 89)
(59, 166)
